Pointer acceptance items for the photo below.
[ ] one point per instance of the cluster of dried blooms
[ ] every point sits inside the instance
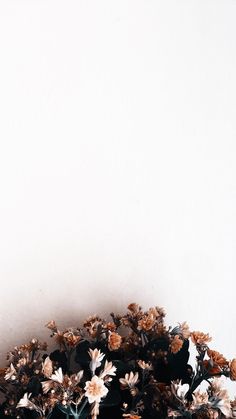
(131, 367)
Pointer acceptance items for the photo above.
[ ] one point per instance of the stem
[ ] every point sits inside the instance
(82, 408)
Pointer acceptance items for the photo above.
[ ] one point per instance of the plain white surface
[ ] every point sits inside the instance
(117, 162)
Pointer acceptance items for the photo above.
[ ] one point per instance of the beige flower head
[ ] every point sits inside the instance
(232, 367)
(10, 373)
(95, 390)
(96, 359)
(176, 344)
(199, 338)
(108, 371)
(130, 380)
(47, 367)
(51, 325)
(184, 330)
(114, 341)
(145, 365)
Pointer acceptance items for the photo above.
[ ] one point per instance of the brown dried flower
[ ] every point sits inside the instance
(176, 344)
(147, 322)
(232, 367)
(217, 358)
(114, 341)
(199, 338)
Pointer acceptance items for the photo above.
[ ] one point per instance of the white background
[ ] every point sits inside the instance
(117, 163)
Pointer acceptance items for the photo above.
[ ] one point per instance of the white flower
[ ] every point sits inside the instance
(57, 376)
(24, 402)
(47, 368)
(130, 379)
(10, 373)
(47, 385)
(96, 359)
(108, 370)
(95, 389)
(79, 376)
(180, 389)
(220, 398)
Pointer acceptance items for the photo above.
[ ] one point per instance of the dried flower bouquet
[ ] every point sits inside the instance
(131, 367)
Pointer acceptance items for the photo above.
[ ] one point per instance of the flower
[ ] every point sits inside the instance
(24, 402)
(147, 322)
(134, 308)
(114, 341)
(51, 325)
(199, 338)
(71, 338)
(232, 367)
(199, 399)
(184, 330)
(131, 416)
(130, 380)
(95, 389)
(145, 365)
(57, 376)
(10, 373)
(96, 358)
(47, 367)
(220, 398)
(109, 370)
(176, 344)
(47, 385)
(179, 389)
(217, 358)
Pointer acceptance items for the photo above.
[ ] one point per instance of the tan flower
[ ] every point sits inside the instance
(71, 338)
(232, 367)
(147, 322)
(144, 365)
(130, 380)
(114, 341)
(51, 325)
(217, 358)
(134, 308)
(199, 338)
(111, 326)
(95, 389)
(176, 344)
(47, 368)
(184, 330)
(131, 416)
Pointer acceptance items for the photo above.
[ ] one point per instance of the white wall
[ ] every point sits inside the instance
(117, 162)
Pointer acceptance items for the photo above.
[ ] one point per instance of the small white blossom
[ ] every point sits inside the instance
(57, 376)
(47, 368)
(109, 370)
(95, 389)
(130, 380)
(96, 359)
(10, 373)
(180, 389)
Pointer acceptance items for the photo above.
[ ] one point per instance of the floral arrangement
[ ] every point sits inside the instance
(132, 367)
